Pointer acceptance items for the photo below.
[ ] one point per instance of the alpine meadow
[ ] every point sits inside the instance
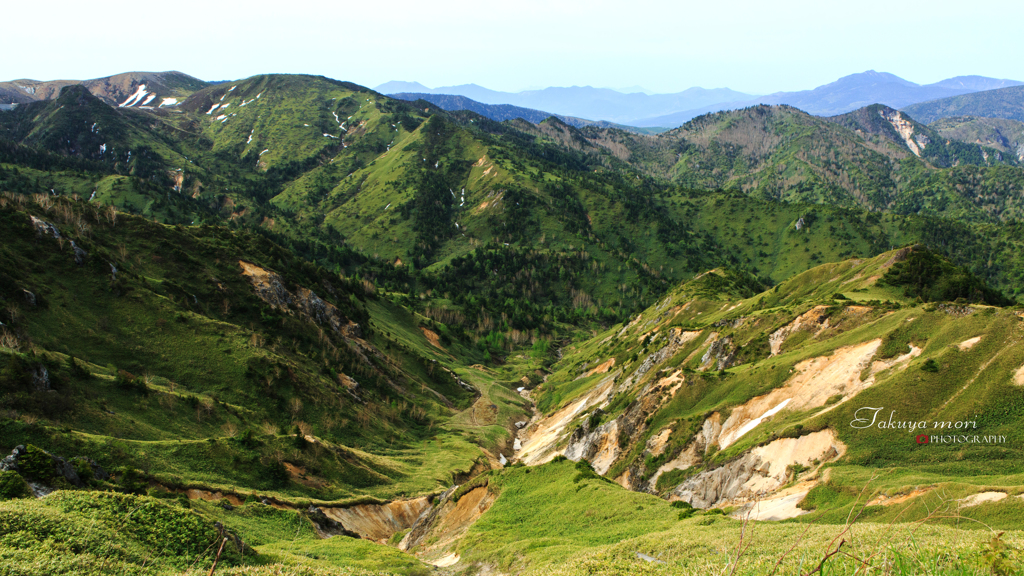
(291, 325)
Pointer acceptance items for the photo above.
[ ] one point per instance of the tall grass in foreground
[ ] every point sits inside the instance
(714, 545)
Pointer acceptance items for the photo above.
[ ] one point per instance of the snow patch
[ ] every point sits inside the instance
(212, 108)
(149, 98)
(169, 102)
(139, 94)
(756, 421)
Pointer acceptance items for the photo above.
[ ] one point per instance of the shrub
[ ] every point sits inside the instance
(12, 485)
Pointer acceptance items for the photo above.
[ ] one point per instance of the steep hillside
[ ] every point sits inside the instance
(362, 183)
(1004, 135)
(1000, 103)
(319, 323)
(875, 158)
(689, 397)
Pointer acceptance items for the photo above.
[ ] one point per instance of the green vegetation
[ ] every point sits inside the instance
(292, 295)
(1000, 103)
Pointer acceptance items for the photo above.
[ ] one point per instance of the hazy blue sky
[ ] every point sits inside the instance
(665, 46)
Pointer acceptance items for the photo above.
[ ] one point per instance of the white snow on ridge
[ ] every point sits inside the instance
(212, 108)
(265, 151)
(222, 116)
(169, 102)
(140, 93)
(329, 136)
(249, 141)
(149, 98)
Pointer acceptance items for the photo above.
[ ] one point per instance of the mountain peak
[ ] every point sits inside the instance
(396, 86)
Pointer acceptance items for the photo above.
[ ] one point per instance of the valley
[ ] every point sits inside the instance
(290, 325)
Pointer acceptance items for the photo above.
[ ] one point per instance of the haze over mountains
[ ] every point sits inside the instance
(583, 101)
(670, 110)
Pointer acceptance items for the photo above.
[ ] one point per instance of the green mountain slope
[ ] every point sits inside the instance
(689, 396)
(1004, 135)
(1001, 103)
(875, 158)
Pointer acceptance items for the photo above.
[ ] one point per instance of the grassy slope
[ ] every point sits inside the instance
(979, 378)
(553, 519)
(1001, 103)
(212, 362)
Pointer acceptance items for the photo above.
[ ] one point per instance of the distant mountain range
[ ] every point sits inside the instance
(502, 112)
(670, 110)
(583, 101)
(848, 94)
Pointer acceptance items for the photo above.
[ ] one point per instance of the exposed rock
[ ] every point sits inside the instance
(760, 471)
(815, 381)
(779, 507)
(448, 520)
(520, 425)
(720, 354)
(906, 130)
(39, 490)
(40, 377)
(326, 526)
(44, 228)
(30, 298)
(601, 446)
(10, 462)
(80, 255)
(540, 446)
(800, 224)
(695, 451)
(814, 319)
(61, 468)
(379, 522)
(271, 289)
(462, 383)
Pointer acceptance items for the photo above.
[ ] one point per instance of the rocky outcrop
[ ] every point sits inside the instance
(44, 228)
(326, 526)
(378, 522)
(601, 446)
(270, 288)
(80, 254)
(44, 471)
(449, 519)
(760, 471)
(719, 355)
(905, 129)
(40, 378)
(816, 319)
(695, 451)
